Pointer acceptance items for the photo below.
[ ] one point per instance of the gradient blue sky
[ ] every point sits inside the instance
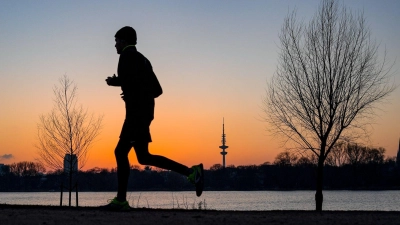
(213, 59)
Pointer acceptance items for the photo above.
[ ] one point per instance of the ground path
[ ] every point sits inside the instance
(13, 214)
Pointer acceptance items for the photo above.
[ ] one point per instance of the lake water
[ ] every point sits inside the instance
(222, 200)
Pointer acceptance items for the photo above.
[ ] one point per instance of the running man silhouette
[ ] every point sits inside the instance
(139, 87)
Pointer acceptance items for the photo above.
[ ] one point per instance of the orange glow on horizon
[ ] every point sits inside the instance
(207, 74)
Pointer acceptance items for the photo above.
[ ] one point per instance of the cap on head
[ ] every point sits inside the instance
(127, 34)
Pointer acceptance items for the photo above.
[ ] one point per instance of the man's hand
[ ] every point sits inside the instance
(111, 80)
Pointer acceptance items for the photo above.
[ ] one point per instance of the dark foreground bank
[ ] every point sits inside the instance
(17, 214)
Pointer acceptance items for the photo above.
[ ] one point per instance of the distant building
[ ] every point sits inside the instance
(1, 169)
(70, 160)
(4, 169)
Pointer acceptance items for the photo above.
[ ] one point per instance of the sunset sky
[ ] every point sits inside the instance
(212, 58)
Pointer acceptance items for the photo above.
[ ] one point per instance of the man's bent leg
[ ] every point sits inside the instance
(145, 158)
(123, 168)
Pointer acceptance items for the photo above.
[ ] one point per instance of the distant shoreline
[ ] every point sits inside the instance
(227, 190)
(37, 214)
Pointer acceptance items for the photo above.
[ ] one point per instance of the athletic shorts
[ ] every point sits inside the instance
(137, 122)
(136, 130)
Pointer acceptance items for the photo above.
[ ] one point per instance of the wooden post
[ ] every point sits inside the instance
(76, 193)
(61, 194)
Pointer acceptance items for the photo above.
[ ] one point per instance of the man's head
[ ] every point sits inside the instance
(125, 36)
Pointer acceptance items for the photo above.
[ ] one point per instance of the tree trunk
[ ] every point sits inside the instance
(318, 195)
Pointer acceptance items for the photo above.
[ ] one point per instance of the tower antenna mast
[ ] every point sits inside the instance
(223, 146)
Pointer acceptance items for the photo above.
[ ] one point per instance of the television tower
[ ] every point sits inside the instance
(223, 146)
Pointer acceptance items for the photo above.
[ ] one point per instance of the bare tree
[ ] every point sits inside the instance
(66, 133)
(375, 155)
(337, 156)
(305, 161)
(355, 154)
(329, 79)
(25, 169)
(285, 158)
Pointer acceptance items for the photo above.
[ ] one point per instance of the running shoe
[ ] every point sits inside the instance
(116, 205)
(197, 178)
